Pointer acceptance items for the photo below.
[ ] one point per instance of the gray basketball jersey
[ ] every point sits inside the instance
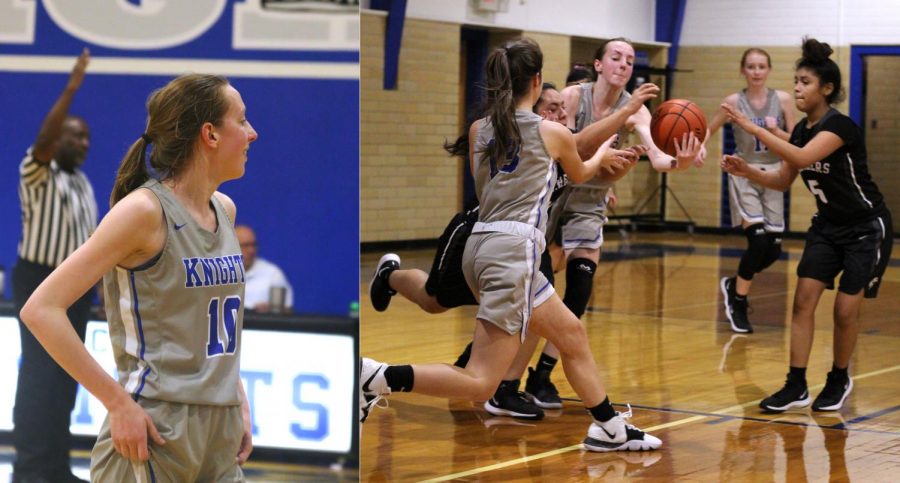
(517, 189)
(747, 146)
(175, 322)
(584, 117)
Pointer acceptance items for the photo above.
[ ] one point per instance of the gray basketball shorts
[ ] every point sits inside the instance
(583, 217)
(756, 204)
(202, 443)
(503, 271)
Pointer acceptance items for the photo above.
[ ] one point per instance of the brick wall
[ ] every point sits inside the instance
(556, 56)
(409, 187)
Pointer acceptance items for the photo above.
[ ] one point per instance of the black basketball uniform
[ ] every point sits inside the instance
(852, 230)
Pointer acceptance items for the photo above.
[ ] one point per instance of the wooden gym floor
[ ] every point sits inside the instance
(662, 344)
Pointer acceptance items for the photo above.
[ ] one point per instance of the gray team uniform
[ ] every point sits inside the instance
(502, 256)
(750, 201)
(175, 326)
(581, 211)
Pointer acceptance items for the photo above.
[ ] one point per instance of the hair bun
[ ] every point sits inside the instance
(815, 51)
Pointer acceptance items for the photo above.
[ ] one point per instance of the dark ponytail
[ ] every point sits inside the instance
(509, 71)
(816, 58)
(132, 172)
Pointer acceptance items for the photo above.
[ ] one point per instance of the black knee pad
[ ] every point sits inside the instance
(757, 246)
(579, 284)
(772, 252)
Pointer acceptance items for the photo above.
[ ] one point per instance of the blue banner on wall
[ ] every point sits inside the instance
(296, 64)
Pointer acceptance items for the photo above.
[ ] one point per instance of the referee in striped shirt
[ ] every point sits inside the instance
(59, 212)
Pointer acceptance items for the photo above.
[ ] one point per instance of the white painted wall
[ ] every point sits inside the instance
(634, 19)
(785, 22)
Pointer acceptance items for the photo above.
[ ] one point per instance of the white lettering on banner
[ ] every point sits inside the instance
(256, 28)
(155, 24)
(17, 21)
(159, 24)
(296, 402)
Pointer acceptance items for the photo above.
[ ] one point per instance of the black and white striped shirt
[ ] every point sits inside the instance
(59, 211)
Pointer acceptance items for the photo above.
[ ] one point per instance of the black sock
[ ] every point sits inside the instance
(603, 412)
(798, 375)
(545, 363)
(463, 358)
(507, 386)
(840, 372)
(399, 378)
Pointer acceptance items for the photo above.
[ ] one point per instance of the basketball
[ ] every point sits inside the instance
(672, 120)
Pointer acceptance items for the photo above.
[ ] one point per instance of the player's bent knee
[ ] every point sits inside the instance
(773, 252)
(757, 247)
(431, 306)
(484, 389)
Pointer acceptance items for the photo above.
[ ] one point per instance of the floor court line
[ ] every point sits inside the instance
(671, 424)
(693, 306)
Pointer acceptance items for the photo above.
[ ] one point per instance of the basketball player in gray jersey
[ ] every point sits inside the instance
(445, 287)
(581, 211)
(757, 209)
(195, 265)
(174, 282)
(512, 158)
(614, 64)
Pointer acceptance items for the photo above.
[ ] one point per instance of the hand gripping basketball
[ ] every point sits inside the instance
(674, 119)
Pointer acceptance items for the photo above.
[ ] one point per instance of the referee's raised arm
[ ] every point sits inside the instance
(46, 142)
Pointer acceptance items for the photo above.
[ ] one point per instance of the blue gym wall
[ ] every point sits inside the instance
(301, 188)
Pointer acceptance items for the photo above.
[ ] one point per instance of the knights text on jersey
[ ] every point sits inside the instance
(175, 323)
(844, 190)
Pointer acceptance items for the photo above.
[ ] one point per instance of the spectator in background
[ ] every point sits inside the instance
(262, 275)
(59, 213)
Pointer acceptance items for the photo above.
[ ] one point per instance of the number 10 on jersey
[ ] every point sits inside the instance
(228, 315)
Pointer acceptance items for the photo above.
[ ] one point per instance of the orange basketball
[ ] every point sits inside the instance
(672, 120)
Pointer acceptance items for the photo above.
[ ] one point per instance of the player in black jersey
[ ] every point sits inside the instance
(851, 233)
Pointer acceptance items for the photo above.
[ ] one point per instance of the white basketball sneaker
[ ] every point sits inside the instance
(617, 435)
(372, 385)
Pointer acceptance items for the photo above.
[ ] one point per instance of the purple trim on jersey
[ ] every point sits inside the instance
(530, 301)
(152, 474)
(542, 288)
(137, 315)
(550, 181)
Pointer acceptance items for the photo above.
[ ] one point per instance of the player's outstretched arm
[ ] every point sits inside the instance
(817, 149)
(779, 179)
(687, 152)
(593, 135)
